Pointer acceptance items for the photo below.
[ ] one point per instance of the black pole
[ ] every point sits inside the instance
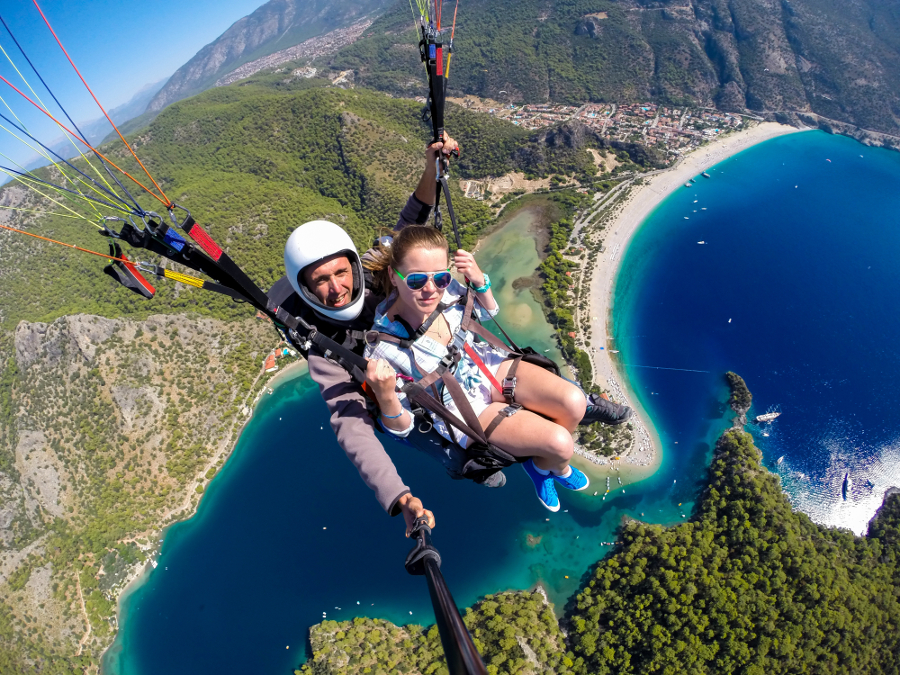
(462, 656)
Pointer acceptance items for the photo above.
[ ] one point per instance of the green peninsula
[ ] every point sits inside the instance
(747, 585)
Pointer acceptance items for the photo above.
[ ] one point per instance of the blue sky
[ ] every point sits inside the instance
(118, 45)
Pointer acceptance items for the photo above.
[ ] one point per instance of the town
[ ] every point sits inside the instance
(674, 130)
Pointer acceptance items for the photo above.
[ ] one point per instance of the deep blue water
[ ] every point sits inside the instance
(288, 531)
(802, 249)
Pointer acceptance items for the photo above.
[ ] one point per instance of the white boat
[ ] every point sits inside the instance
(780, 459)
(729, 320)
(768, 417)
(701, 242)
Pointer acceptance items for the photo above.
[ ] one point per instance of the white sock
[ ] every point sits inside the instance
(566, 473)
(539, 469)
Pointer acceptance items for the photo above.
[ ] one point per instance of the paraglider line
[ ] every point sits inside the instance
(81, 140)
(684, 370)
(66, 113)
(167, 201)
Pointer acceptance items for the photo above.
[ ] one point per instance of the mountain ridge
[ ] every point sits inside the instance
(274, 26)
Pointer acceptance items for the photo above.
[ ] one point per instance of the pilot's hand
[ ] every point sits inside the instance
(412, 509)
(382, 378)
(445, 147)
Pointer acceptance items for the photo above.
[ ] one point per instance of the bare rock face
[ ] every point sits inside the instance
(69, 334)
(37, 467)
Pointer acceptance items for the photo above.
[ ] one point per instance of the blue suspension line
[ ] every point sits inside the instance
(30, 176)
(139, 210)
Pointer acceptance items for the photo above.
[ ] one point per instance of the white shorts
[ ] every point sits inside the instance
(479, 395)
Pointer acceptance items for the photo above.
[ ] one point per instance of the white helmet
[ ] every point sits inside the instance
(311, 243)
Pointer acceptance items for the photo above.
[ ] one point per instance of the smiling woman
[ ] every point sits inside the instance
(425, 324)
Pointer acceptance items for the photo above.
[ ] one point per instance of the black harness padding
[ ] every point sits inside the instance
(341, 343)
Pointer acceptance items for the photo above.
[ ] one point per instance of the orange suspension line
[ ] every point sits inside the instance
(62, 243)
(167, 201)
(78, 138)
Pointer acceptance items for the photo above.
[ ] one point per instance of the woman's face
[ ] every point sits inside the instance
(428, 260)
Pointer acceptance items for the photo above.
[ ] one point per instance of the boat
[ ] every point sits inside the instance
(688, 184)
(705, 175)
(845, 488)
(613, 351)
(768, 417)
(701, 242)
(729, 320)
(780, 460)
(686, 218)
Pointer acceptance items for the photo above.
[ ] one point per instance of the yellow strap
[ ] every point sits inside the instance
(183, 278)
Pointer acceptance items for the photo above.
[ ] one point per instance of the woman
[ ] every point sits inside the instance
(415, 275)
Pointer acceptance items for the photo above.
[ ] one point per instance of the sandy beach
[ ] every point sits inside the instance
(644, 459)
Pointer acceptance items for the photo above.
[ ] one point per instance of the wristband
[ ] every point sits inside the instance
(485, 288)
(391, 417)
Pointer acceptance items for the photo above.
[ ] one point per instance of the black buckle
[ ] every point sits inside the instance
(509, 388)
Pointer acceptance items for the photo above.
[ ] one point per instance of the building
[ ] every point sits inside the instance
(270, 364)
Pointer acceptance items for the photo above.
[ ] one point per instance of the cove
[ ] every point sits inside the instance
(287, 531)
(796, 290)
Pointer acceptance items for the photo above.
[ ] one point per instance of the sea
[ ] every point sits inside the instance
(795, 288)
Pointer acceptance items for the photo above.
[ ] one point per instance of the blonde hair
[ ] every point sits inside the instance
(386, 258)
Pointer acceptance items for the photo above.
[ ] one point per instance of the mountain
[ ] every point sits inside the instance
(274, 26)
(98, 129)
(837, 60)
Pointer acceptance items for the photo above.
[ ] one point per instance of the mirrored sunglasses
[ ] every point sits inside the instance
(417, 280)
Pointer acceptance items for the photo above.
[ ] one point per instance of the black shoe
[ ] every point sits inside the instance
(605, 412)
(495, 480)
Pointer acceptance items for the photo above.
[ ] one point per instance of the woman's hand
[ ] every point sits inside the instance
(382, 378)
(466, 265)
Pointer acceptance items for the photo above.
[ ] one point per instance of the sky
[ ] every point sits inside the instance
(118, 45)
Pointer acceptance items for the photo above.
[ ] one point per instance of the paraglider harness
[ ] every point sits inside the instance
(484, 458)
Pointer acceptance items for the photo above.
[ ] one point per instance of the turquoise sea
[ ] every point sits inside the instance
(808, 275)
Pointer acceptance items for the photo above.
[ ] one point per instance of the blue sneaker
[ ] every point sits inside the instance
(543, 485)
(574, 481)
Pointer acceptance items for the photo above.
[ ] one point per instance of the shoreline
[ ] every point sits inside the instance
(141, 572)
(642, 200)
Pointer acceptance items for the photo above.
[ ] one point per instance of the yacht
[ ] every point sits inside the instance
(768, 417)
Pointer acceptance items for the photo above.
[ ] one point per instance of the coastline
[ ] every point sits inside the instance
(141, 572)
(640, 203)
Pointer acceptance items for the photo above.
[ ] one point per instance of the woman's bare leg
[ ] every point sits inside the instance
(543, 392)
(527, 434)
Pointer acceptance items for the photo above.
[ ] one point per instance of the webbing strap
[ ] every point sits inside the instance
(483, 368)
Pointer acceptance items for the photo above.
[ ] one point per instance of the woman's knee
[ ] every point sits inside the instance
(574, 402)
(560, 444)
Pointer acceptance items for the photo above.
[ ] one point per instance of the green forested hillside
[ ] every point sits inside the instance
(746, 586)
(253, 162)
(839, 60)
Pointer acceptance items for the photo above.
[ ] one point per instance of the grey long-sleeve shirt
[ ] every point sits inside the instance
(354, 429)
